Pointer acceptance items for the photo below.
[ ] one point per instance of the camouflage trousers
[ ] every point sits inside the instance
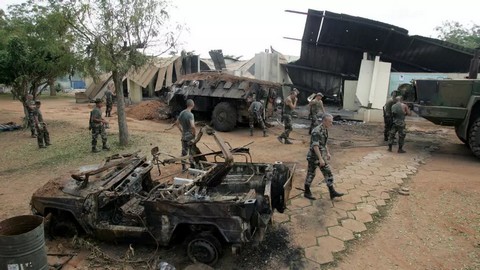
(388, 121)
(43, 136)
(31, 124)
(108, 109)
(314, 122)
(287, 120)
(313, 164)
(187, 149)
(98, 130)
(400, 128)
(255, 118)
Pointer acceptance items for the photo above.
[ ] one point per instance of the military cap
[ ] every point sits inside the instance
(319, 94)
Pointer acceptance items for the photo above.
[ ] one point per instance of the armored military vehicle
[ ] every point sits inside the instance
(450, 103)
(221, 97)
(215, 204)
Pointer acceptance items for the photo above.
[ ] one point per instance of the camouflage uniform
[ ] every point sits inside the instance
(43, 136)
(184, 118)
(319, 137)
(30, 105)
(398, 125)
(387, 118)
(97, 128)
(256, 112)
(287, 119)
(109, 102)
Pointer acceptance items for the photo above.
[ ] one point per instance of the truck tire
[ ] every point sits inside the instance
(63, 227)
(280, 177)
(474, 137)
(458, 136)
(224, 116)
(204, 248)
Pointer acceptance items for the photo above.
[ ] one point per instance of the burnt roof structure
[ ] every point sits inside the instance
(333, 45)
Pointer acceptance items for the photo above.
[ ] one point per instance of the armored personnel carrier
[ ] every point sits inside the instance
(222, 98)
(451, 103)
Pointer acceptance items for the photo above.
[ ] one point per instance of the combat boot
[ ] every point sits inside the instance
(105, 147)
(280, 139)
(265, 133)
(334, 193)
(308, 194)
(389, 148)
(400, 149)
(251, 132)
(287, 141)
(95, 150)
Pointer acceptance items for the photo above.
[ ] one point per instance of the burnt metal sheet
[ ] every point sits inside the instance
(333, 45)
(218, 59)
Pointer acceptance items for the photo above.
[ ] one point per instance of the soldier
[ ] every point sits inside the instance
(30, 106)
(97, 125)
(186, 124)
(316, 104)
(288, 108)
(318, 157)
(109, 101)
(256, 114)
(387, 115)
(43, 136)
(399, 110)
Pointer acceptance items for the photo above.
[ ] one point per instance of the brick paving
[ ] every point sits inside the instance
(367, 183)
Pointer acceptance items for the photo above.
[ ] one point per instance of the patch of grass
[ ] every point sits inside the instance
(71, 148)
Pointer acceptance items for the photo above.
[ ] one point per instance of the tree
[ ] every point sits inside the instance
(459, 34)
(34, 48)
(113, 35)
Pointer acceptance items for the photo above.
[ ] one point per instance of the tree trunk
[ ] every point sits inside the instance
(51, 84)
(122, 120)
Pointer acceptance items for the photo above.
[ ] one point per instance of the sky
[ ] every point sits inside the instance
(245, 27)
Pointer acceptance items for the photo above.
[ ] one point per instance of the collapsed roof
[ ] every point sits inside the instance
(333, 45)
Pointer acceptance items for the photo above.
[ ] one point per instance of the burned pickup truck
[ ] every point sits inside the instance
(215, 204)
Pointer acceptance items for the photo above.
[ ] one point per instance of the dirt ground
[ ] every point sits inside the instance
(436, 227)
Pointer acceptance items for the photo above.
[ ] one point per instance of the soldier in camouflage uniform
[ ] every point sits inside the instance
(256, 114)
(399, 111)
(288, 107)
(30, 106)
(109, 101)
(387, 115)
(316, 106)
(186, 124)
(318, 156)
(43, 136)
(97, 125)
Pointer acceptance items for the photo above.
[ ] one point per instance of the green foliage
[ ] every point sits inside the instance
(35, 46)
(459, 34)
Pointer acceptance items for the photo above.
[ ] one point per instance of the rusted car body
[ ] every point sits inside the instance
(216, 203)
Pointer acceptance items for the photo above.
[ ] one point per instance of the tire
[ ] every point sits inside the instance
(474, 137)
(224, 116)
(458, 136)
(280, 177)
(204, 248)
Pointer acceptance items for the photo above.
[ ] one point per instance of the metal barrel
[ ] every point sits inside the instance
(22, 244)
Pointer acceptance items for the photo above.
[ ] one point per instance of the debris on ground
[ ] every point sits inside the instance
(9, 126)
(404, 191)
(148, 110)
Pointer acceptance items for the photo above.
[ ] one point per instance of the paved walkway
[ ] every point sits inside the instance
(322, 227)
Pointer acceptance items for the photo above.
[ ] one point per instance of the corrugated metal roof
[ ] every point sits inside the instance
(144, 74)
(333, 46)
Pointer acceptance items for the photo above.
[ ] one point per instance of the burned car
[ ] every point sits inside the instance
(214, 204)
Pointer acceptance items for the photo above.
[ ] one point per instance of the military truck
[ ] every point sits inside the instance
(218, 203)
(450, 103)
(222, 98)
